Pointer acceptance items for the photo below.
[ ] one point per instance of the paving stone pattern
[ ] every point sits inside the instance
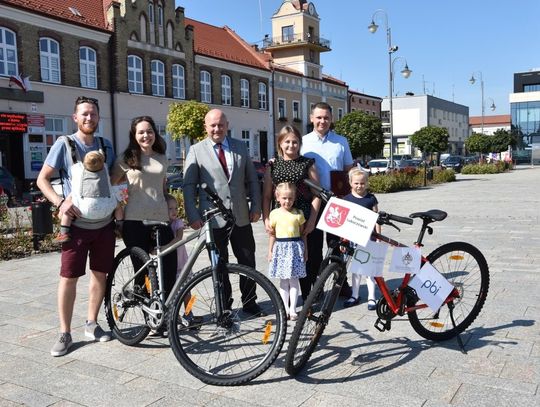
(354, 364)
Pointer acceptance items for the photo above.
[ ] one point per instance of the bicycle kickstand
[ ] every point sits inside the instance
(458, 337)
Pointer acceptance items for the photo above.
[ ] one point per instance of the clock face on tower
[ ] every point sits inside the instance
(311, 9)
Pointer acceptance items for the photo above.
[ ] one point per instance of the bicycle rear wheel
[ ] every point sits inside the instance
(314, 317)
(465, 267)
(123, 309)
(236, 347)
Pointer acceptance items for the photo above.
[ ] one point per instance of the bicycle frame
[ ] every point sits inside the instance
(205, 238)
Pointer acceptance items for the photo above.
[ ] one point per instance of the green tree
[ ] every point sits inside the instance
(478, 143)
(430, 139)
(187, 120)
(501, 139)
(363, 132)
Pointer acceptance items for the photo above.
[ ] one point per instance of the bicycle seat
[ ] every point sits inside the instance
(154, 223)
(432, 215)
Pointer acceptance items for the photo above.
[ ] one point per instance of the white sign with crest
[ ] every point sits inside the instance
(369, 260)
(348, 220)
(405, 260)
(431, 287)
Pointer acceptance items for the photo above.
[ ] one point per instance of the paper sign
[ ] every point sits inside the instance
(431, 287)
(348, 220)
(405, 260)
(369, 260)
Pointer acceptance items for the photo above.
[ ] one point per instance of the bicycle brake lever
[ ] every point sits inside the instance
(391, 224)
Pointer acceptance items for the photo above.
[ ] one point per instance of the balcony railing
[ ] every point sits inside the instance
(295, 38)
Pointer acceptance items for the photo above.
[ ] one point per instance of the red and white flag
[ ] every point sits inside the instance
(23, 83)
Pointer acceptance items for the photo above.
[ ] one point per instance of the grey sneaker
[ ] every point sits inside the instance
(93, 331)
(62, 345)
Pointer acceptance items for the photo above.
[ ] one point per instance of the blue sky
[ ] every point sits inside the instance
(443, 42)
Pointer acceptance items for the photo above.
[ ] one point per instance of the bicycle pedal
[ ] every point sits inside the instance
(382, 325)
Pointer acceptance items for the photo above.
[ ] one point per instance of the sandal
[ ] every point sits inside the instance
(371, 305)
(351, 302)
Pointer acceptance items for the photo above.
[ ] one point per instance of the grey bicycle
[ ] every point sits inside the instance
(209, 333)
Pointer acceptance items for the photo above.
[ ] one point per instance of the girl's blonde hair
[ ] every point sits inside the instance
(355, 171)
(285, 186)
(169, 197)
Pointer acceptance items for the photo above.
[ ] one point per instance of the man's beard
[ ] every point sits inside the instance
(88, 128)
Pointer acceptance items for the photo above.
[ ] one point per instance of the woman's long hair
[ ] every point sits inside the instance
(132, 154)
(284, 132)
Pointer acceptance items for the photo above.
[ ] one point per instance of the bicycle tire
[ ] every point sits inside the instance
(465, 267)
(123, 310)
(239, 347)
(313, 318)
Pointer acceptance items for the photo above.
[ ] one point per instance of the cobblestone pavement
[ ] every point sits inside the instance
(354, 364)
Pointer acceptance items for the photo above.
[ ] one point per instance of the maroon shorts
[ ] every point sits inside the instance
(99, 243)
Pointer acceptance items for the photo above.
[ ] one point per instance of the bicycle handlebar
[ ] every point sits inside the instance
(218, 203)
(324, 194)
(385, 218)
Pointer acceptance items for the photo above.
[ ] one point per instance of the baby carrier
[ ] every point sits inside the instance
(91, 191)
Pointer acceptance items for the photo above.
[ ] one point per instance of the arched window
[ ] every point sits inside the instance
(88, 67)
(8, 53)
(135, 74)
(161, 32)
(226, 98)
(142, 27)
(158, 78)
(262, 96)
(151, 20)
(206, 87)
(178, 82)
(244, 93)
(170, 36)
(49, 58)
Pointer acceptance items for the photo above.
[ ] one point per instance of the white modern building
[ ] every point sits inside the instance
(412, 112)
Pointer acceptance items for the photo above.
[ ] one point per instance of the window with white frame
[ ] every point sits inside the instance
(246, 139)
(88, 67)
(340, 113)
(226, 92)
(287, 33)
(178, 82)
(160, 15)
(158, 78)
(151, 12)
(135, 74)
(262, 96)
(49, 57)
(8, 53)
(206, 87)
(54, 128)
(244, 93)
(296, 110)
(281, 109)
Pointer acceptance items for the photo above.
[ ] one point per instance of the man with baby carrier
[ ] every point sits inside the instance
(88, 236)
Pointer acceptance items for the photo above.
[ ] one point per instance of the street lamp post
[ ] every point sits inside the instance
(406, 72)
(492, 106)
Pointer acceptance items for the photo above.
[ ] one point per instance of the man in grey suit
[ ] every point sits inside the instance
(224, 164)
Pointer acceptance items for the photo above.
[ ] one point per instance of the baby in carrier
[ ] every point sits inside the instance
(92, 193)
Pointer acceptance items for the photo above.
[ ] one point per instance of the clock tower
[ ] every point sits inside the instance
(296, 43)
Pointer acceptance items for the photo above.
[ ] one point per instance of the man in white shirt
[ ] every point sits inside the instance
(331, 152)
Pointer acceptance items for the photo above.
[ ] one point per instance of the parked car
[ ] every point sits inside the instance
(417, 162)
(7, 182)
(175, 176)
(380, 166)
(454, 162)
(404, 164)
(471, 159)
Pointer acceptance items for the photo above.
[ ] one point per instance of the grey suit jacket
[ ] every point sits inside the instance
(202, 166)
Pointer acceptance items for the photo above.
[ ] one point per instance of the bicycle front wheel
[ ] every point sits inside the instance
(232, 348)
(123, 306)
(465, 267)
(314, 317)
